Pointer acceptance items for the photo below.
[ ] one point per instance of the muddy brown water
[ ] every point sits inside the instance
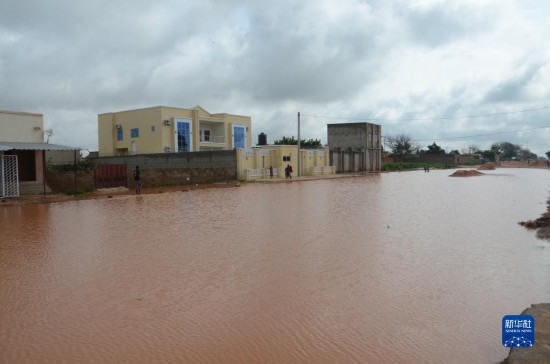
(399, 267)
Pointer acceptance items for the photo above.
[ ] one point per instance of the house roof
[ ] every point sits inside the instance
(19, 113)
(4, 146)
(196, 107)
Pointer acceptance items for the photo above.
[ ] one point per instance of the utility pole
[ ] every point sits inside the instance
(299, 154)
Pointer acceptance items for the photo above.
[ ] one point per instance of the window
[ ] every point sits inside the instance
(134, 133)
(207, 135)
(119, 135)
(152, 128)
(183, 136)
(239, 136)
(286, 158)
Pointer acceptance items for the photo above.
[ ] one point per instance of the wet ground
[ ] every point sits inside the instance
(398, 267)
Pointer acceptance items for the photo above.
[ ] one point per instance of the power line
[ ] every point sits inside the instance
(427, 119)
(480, 135)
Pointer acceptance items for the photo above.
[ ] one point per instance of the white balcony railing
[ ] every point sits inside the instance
(213, 139)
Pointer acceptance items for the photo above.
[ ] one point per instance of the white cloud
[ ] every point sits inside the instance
(391, 59)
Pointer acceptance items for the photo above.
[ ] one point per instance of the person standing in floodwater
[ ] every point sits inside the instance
(137, 180)
(289, 171)
(270, 171)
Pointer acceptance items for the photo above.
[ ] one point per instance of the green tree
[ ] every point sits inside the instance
(435, 149)
(400, 144)
(286, 141)
(548, 154)
(526, 154)
(455, 152)
(506, 150)
(311, 143)
(489, 154)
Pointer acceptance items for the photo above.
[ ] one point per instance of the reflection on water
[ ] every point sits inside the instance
(403, 267)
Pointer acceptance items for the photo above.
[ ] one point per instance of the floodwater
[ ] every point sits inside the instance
(399, 267)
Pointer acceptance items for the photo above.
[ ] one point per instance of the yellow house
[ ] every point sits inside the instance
(254, 164)
(163, 129)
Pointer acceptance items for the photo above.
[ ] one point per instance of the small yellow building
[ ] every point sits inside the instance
(163, 129)
(255, 163)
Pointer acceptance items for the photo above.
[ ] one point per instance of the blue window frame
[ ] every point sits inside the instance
(238, 137)
(119, 135)
(183, 136)
(134, 133)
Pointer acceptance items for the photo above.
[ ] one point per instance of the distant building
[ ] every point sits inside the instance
(23, 153)
(355, 147)
(163, 129)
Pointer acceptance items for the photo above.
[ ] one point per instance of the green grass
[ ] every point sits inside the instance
(412, 166)
(75, 192)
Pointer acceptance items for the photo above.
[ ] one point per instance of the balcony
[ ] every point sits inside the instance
(213, 139)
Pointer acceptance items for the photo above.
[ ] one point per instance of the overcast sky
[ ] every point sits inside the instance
(419, 67)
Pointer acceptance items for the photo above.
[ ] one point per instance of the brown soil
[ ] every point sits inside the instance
(466, 173)
(106, 193)
(523, 164)
(489, 166)
(542, 224)
(110, 192)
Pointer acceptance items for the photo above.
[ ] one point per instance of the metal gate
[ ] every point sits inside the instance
(109, 176)
(9, 177)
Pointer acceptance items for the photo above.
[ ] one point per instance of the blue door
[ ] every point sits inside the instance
(238, 136)
(183, 135)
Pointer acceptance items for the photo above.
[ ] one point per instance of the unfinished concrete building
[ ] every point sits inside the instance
(355, 147)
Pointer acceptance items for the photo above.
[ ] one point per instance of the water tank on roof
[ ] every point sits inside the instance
(262, 139)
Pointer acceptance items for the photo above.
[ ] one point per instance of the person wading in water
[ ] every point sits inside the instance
(137, 180)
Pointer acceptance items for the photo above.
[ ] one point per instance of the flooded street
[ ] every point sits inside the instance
(398, 267)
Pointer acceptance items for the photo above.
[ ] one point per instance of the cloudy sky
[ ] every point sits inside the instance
(428, 68)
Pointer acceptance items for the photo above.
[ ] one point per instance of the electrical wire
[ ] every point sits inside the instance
(481, 135)
(427, 119)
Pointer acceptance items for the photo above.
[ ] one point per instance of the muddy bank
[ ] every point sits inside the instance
(110, 192)
(540, 352)
(542, 224)
(466, 173)
(539, 164)
(107, 193)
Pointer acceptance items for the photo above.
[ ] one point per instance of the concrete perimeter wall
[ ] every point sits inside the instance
(426, 158)
(64, 181)
(167, 169)
(164, 169)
